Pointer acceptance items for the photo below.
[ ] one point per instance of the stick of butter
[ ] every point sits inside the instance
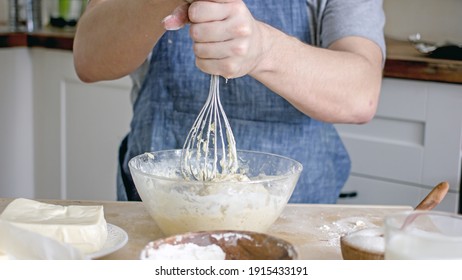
(83, 227)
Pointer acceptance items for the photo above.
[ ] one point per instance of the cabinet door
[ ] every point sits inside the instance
(16, 124)
(78, 129)
(412, 144)
(95, 118)
(364, 190)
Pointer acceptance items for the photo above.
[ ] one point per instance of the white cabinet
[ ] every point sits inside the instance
(413, 143)
(16, 124)
(71, 132)
(78, 128)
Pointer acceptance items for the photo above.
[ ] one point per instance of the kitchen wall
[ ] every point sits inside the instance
(435, 20)
(3, 11)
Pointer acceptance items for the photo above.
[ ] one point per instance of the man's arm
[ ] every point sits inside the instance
(340, 84)
(114, 37)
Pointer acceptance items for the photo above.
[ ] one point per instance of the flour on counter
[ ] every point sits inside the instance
(338, 228)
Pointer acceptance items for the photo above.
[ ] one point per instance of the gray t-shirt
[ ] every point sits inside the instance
(335, 19)
(330, 20)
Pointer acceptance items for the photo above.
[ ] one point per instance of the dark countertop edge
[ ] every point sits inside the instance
(62, 43)
(59, 41)
(436, 71)
(406, 66)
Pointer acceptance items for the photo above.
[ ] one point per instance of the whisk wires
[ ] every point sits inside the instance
(209, 152)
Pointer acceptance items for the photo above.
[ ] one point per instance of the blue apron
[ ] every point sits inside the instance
(174, 91)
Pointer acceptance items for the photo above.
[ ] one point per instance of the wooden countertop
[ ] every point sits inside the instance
(314, 229)
(54, 38)
(403, 61)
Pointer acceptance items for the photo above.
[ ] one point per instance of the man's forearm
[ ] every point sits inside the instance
(114, 37)
(339, 85)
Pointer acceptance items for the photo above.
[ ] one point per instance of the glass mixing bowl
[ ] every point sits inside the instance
(252, 201)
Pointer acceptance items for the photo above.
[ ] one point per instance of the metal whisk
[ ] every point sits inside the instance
(209, 152)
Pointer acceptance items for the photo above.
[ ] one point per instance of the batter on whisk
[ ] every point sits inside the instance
(209, 152)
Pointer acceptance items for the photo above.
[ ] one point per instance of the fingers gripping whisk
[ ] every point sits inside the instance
(209, 152)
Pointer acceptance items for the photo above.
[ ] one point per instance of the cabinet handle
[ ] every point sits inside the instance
(348, 194)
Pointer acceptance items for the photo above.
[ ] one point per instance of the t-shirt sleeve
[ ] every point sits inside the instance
(363, 18)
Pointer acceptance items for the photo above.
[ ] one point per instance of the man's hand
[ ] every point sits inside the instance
(225, 34)
(178, 18)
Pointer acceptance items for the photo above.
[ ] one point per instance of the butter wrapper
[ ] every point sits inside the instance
(20, 244)
(82, 227)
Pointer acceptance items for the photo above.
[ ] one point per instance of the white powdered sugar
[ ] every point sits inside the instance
(186, 251)
(369, 239)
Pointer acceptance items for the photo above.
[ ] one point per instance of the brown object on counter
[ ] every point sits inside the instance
(434, 198)
(237, 245)
(352, 250)
(404, 61)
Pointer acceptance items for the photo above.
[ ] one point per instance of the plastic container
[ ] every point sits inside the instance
(14, 15)
(65, 13)
(33, 15)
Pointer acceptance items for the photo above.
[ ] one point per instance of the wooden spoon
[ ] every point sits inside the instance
(434, 197)
(429, 202)
(353, 251)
